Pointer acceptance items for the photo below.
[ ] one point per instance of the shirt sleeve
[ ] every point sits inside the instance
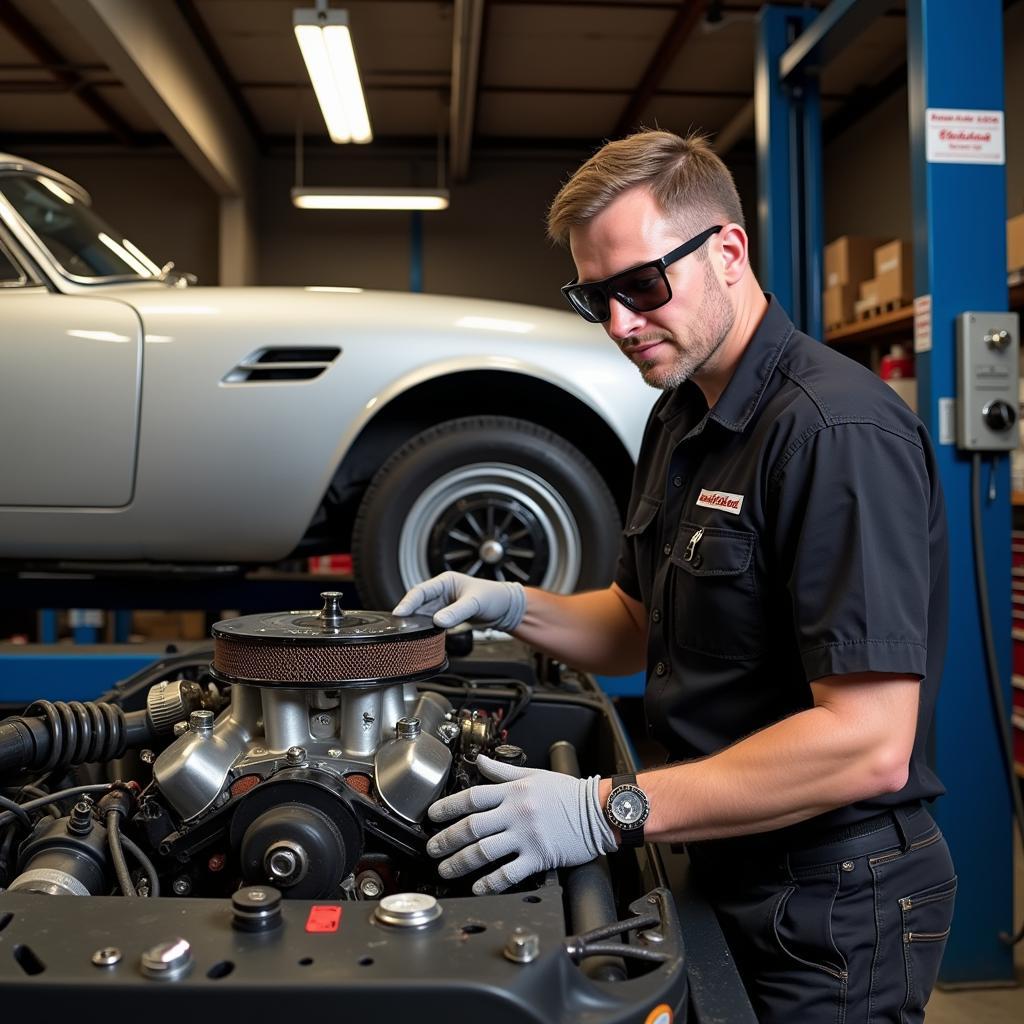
(853, 517)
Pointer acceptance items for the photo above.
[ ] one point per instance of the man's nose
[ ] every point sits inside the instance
(623, 321)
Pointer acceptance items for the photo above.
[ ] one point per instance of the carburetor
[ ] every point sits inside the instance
(330, 692)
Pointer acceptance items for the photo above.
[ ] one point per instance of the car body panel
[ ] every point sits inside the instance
(71, 369)
(235, 471)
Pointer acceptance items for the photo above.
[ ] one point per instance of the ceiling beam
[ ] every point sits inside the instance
(209, 45)
(57, 65)
(688, 14)
(467, 40)
(152, 50)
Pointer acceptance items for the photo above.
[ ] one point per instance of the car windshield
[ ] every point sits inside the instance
(82, 243)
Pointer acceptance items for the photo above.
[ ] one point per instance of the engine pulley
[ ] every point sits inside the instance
(297, 833)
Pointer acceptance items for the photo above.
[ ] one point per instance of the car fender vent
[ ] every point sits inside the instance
(282, 363)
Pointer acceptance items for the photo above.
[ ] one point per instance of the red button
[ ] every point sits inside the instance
(323, 919)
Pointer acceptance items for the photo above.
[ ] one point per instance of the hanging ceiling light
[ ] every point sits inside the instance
(326, 46)
(370, 198)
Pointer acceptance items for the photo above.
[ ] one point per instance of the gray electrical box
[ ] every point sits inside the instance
(987, 372)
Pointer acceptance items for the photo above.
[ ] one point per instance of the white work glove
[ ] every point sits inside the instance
(549, 819)
(454, 597)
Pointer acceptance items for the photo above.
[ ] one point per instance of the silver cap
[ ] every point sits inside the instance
(407, 910)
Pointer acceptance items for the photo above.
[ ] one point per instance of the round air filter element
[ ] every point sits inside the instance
(328, 648)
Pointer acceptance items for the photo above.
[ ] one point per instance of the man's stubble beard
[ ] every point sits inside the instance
(712, 323)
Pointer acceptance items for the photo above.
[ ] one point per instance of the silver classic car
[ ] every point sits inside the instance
(148, 420)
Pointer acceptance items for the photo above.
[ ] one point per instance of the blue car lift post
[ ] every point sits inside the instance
(954, 60)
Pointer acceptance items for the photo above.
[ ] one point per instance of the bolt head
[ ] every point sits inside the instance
(147, 756)
(523, 947)
(334, 752)
(107, 956)
(283, 863)
(181, 887)
(295, 755)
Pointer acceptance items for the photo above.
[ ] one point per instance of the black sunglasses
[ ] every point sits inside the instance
(642, 289)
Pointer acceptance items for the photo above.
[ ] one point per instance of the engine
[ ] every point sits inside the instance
(307, 761)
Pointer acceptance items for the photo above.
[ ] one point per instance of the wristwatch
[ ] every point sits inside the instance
(627, 809)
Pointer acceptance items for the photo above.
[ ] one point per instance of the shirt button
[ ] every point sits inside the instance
(667, 549)
(656, 615)
(661, 668)
(677, 481)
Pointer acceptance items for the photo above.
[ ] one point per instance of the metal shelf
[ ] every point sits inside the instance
(895, 322)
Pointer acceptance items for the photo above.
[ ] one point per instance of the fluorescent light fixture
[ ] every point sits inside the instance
(333, 288)
(326, 46)
(370, 198)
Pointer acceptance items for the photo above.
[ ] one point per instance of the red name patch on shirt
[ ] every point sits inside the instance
(323, 919)
(731, 503)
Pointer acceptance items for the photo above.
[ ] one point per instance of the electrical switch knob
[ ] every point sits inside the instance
(997, 338)
(999, 415)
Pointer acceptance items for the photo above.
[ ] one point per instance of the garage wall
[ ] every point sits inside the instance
(490, 242)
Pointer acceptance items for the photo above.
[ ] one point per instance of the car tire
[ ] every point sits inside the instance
(496, 497)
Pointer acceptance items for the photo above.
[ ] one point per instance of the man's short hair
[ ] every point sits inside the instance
(687, 179)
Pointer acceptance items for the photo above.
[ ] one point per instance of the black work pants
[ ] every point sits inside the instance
(848, 932)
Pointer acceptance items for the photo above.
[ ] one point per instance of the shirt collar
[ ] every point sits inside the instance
(742, 395)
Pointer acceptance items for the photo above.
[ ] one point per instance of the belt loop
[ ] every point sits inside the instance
(899, 817)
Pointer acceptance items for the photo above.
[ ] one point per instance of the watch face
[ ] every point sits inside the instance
(628, 807)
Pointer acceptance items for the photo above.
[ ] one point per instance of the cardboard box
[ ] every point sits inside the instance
(1015, 243)
(170, 625)
(868, 292)
(849, 259)
(837, 304)
(894, 273)
(906, 388)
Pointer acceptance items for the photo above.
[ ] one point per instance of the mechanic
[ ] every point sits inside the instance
(783, 577)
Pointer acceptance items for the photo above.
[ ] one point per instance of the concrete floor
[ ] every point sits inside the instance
(987, 1006)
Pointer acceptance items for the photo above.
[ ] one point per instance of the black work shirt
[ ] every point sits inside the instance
(795, 531)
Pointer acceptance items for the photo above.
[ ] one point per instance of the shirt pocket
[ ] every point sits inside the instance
(715, 603)
(643, 536)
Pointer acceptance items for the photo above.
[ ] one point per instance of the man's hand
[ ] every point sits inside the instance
(547, 819)
(454, 597)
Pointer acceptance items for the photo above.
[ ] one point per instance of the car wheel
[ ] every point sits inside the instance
(493, 497)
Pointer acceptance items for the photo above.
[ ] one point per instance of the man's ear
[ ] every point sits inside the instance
(732, 246)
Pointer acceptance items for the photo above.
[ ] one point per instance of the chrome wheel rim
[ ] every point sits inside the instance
(496, 521)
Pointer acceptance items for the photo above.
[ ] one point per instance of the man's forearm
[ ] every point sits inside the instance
(812, 762)
(599, 631)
